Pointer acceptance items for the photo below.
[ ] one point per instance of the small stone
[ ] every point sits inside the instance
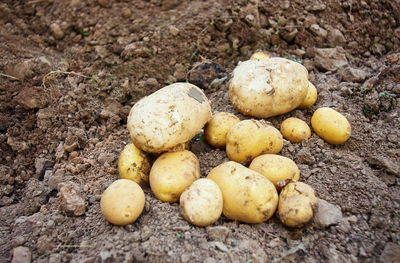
(152, 82)
(251, 20)
(21, 255)
(43, 244)
(20, 70)
(330, 59)
(336, 37)
(41, 164)
(106, 158)
(318, 31)
(18, 146)
(391, 253)
(327, 214)
(32, 98)
(218, 233)
(221, 246)
(71, 200)
(173, 30)
(350, 74)
(56, 31)
(289, 36)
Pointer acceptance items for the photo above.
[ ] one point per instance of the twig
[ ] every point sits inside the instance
(8, 76)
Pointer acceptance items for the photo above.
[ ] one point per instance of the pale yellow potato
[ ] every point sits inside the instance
(201, 203)
(270, 87)
(133, 164)
(172, 173)
(168, 118)
(250, 138)
(122, 202)
(248, 196)
(296, 204)
(217, 128)
(260, 55)
(331, 126)
(278, 169)
(295, 130)
(311, 97)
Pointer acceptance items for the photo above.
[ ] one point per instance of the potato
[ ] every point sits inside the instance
(331, 126)
(260, 55)
(296, 204)
(133, 164)
(311, 97)
(250, 138)
(278, 169)
(201, 203)
(248, 196)
(168, 118)
(265, 88)
(122, 202)
(218, 127)
(172, 173)
(295, 130)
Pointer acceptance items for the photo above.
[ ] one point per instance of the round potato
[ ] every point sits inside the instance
(217, 128)
(278, 169)
(201, 203)
(311, 97)
(260, 55)
(331, 126)
(168, 118)
(122, 202)
(133, 164)
(295, 130)
(172, 173)
(270, 87)
(250, 138)
(248, 196)
(296, 204)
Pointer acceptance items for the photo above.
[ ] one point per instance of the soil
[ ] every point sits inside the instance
(71, 70)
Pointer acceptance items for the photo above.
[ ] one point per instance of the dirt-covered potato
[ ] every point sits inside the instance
(270, 87)
(250, 138)
(248, 196)
(295, 130)
(260, 55)
(331, 126)
(278, 169)
(217, 128)
(133, 164)
(172, 173)
(296, 204)
(311, 97)
(168, 118)
(122, 202)
(201, 203)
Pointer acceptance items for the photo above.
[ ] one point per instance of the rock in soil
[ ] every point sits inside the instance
(71, 200)
(327, 214)
(391, 253)
(21, 255)
(330, 59)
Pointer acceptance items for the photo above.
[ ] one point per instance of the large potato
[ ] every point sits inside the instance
(248, 196)
(172, 173)
(133, 164)
(278, 169)
(295, 130)
(270, 87)
(201, 203)
(218, 127)
(331, 126)
(168, 118)
(250, 138)
(122, 202)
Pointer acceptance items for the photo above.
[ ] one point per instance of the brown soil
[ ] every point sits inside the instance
(71, 70)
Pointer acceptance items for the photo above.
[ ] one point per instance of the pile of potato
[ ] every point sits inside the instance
(256, 182)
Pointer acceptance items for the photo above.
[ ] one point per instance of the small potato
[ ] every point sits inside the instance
(295, 130)
(331, 126)
(250, 138)
(201, 203)
(311, 97)
(248, 196)
(172, 173)
(122, 202)
(260, 55)
(217, 128)
(278, 169)
(133, 164)
(296, 203)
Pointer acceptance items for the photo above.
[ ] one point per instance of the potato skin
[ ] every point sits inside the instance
(266, 88)
(250, 138)
(260, 55)
(331, 126)
(311, 97)
(201, 203)
(133, 164)
(248, 196)
(295, 130)
(122, 202)
(218, 127)
(172, 173)
(278, 169)
(296, 204)
(168, 118)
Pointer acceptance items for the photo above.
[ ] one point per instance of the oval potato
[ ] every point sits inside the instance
(218, 127)
(133, 164)
(168, 118)
(310, 98)
(295, 130)
(260, 55)
(331, 126)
